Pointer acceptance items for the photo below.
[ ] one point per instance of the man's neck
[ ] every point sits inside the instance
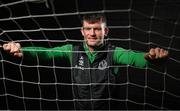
(91, 49)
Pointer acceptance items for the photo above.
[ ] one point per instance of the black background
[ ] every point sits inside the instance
(134, 24)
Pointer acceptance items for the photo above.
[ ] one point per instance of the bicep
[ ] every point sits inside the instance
(129, 57)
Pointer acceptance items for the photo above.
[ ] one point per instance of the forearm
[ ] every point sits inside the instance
(48, 53)
(37, 51)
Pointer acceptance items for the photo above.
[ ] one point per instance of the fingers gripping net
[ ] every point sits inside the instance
(34, 83)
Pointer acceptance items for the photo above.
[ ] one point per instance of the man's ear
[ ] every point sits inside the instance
(106, 31)
(82, 31)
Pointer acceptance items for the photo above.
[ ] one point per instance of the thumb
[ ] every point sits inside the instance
(150, 55)
(18, 54)
(5, 47)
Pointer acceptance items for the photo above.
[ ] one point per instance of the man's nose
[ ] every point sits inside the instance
(92, 31)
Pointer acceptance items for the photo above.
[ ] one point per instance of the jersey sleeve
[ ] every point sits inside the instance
(49, 53)
(129, 57)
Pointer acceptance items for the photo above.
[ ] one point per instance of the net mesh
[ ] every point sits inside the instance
(134, 24)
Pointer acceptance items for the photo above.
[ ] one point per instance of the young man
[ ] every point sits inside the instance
(91, 62)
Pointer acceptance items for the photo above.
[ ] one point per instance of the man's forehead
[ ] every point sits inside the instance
(93, 24)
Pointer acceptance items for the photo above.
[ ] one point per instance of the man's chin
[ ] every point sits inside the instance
(92, 44)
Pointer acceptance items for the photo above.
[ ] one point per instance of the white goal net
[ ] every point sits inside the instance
(32, 83)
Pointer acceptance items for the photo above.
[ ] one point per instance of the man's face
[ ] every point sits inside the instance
(94, 33)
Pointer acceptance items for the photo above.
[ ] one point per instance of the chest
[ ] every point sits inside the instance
(84, 71)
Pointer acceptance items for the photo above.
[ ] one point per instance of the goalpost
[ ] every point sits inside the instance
(32, 83)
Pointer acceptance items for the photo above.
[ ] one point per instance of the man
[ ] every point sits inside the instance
(91, 62)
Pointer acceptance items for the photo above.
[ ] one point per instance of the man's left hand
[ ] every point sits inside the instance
(156, 53)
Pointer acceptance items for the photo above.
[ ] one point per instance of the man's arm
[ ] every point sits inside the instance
(138, 59)
(45, 53)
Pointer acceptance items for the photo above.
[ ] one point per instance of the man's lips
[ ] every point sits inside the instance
(92, 38)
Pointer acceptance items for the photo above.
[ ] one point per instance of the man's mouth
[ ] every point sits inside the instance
(92, 38)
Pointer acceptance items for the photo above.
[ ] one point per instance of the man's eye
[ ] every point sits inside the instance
(98, 29)
(86, 28)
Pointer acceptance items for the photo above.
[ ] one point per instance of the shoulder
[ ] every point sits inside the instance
(115, 48)
(67, 46)
(78, 46)
(119, 51)
(64, 47)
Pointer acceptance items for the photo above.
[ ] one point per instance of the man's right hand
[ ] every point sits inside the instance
(13, 48)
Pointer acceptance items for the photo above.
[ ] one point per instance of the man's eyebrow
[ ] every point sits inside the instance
(91, 27)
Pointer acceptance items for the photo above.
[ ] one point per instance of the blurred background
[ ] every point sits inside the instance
(32, 83)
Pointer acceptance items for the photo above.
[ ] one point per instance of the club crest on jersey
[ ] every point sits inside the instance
(80, 63)
(102, 65)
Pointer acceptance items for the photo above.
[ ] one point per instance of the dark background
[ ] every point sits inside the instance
(30, 83)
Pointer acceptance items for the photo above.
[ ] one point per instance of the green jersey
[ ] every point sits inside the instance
(120, 55)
